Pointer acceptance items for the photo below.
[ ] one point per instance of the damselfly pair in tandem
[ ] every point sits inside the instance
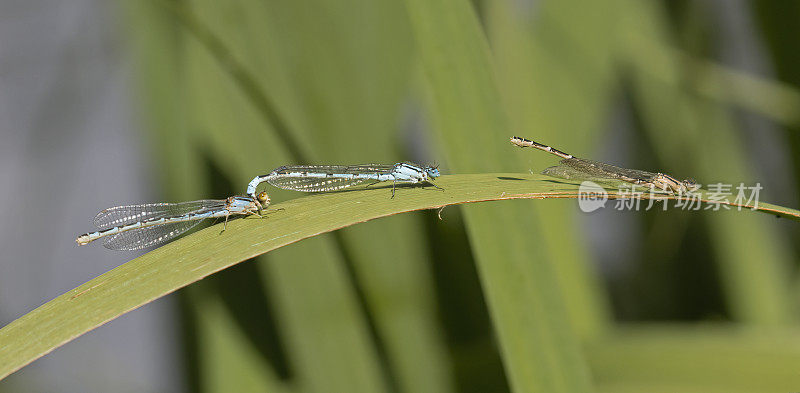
(572, 167)
(135, 227)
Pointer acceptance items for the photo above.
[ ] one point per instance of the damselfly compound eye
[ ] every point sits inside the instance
(263, 198)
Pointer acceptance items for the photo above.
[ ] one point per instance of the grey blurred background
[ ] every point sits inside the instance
(67, 150)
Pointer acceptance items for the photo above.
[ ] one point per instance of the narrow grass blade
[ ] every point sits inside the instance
(538, 346)
(557, 85)
(199, 255)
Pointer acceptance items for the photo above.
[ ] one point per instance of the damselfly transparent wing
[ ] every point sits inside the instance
(307, 177)
(352, 169)
(578, 168)
(570, 173)
(567, 172)
(312, 184)
(124, 215)
(137, 239)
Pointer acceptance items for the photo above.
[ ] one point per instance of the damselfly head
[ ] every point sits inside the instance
(432, 172)
(263, 199)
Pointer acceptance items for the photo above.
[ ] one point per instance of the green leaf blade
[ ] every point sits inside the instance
(189, 259)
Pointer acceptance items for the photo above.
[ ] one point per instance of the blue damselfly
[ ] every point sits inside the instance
(317, 178)
(134, 227)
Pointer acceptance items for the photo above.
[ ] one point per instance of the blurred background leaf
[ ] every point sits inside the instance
(517, 296)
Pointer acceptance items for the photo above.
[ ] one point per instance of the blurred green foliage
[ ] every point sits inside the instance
(491, 298)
